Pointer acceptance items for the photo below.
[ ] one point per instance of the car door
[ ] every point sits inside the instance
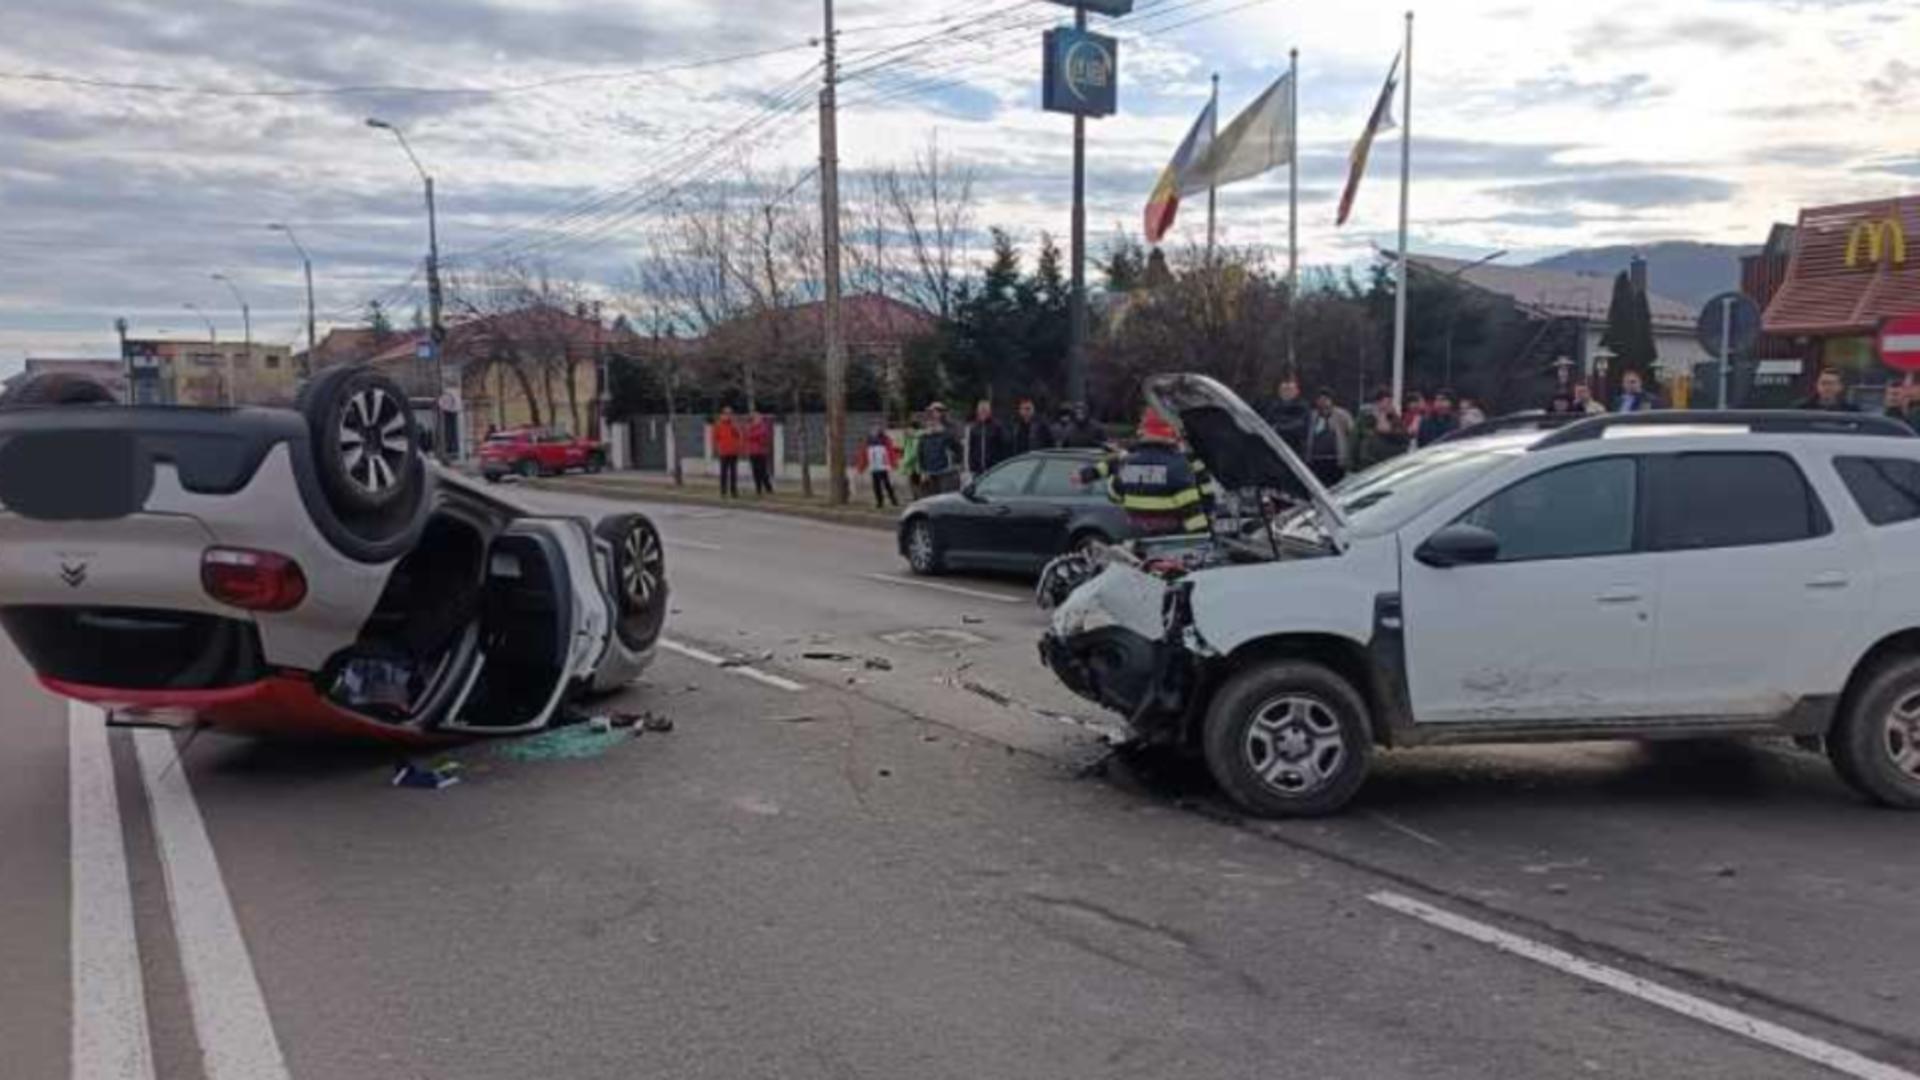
(979, 525)
(1759, 594)
(1043, 514)
(1559, 626)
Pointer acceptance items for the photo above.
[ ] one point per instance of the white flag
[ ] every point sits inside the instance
(1260, 139)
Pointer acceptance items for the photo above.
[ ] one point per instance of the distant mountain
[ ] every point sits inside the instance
(1677, 269)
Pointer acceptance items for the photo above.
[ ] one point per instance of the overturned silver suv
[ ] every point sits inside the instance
(1654, 575)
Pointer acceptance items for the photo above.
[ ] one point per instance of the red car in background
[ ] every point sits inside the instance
(531, 451)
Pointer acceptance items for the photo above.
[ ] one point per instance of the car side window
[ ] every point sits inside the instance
(1007, 480)
(1721, 499)
(1059, 478)
(1887, 490)
(1576, 511)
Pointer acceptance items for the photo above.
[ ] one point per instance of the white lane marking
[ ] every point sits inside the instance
(1833, 1057)
(110, 1039)
(743, 671)
(697, 545)
(229, 1014)
(1404, 829)
(998, 598)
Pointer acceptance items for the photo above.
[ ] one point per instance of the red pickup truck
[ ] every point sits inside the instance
(531, 451)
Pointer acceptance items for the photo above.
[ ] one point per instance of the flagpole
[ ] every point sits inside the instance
(1293, 203)
(1400, 264)
(1212, 189)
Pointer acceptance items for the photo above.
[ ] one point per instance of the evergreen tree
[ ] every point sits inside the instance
(1629, 333)
(378, 321)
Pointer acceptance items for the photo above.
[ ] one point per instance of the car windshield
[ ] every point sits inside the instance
(1389, 494)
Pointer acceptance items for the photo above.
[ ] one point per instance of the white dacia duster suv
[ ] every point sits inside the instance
(1649, 576)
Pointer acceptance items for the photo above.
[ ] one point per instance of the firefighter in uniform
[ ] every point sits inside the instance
(1161, 488)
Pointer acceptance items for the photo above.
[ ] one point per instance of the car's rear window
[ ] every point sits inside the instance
(1887, 490)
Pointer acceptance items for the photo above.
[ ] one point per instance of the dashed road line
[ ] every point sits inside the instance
(1733, 1021)
(741, 670)
(697, 545)
(957, 590)
(230, 1016)
(110, 1040)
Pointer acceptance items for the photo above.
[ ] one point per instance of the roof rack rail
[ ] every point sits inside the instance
(1757, 421)
(1530, 420)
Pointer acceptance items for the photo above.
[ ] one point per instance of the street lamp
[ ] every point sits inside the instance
(1453, 310)
(306, 264)
(213, 346)
(436, 331)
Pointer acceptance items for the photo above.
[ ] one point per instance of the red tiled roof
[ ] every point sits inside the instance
(1834, 285)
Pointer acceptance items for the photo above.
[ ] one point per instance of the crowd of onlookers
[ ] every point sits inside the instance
(936, 453)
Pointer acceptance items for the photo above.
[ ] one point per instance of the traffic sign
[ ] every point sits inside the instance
(1741, 325)
(1900, 342)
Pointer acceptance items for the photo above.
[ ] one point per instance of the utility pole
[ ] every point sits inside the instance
(836, 375)
(306, 265)
(1077, 306)
(1213, 190)
(246, 324)
(437, 332)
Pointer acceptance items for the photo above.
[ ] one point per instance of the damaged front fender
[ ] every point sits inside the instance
(1124, 640)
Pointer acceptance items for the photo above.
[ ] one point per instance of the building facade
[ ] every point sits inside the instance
(210, 374)
(1845, 270)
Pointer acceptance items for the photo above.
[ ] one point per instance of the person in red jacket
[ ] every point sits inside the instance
(760, 451)
(727, 444)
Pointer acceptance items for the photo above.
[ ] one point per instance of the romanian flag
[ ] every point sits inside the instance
(1177, 178)
(1381, 120)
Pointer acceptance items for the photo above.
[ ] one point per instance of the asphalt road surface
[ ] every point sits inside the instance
(890, 860)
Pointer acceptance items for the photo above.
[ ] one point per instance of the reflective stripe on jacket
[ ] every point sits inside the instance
(1158, 486)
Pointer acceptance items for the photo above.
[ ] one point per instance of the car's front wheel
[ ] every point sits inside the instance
(527, 468)
(1875, 745)
(923, 548)
(639, 578)
(1288, 738)
(367, 446)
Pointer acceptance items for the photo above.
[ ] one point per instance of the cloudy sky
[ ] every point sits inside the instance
(553, 128)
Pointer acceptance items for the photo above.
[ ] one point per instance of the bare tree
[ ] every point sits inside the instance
(931, 204)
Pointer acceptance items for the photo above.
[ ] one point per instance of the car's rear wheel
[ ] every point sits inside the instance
(1875, 745)
(1288, 738)
(366, 445)
(57, 388)
(639, 578)
(923, 548)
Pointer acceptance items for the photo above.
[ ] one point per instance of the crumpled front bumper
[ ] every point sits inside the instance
(1109, 643)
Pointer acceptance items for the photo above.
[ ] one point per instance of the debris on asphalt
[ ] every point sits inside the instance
(972, 620)
(572, 743)
(600, 725)
(879, 663)
(654, 722)
(886, 772)
(433, 777)
(823, 654)
(1557, 889)
(987, 692)
(795, 718)
(1726, 871)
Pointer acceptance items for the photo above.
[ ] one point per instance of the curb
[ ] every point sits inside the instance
(648, 492)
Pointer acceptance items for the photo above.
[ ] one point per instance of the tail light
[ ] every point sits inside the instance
(254, 580)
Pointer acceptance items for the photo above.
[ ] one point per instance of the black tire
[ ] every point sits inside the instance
(925, 555)
(351, 411)
(639, 578)
(1296, 722)
(596, 463)
(1082, 542)
(491, 478)
(57, 388)
(1875, 745)
(527, 468)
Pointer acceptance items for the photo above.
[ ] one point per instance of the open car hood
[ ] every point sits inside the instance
(1239, 448)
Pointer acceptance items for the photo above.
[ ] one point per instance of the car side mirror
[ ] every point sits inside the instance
(1458, 545)
(971, 492)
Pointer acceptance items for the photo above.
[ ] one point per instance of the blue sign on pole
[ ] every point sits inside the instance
(1082, 73)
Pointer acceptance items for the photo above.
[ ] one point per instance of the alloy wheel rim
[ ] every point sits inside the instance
(1903, 735)
(373, 440)
(640, 567)
(920, 545)
(1295, 745)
